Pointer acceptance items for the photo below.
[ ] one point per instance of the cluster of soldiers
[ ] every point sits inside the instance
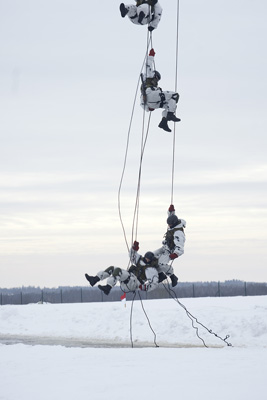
(148, 12)
(147, 271)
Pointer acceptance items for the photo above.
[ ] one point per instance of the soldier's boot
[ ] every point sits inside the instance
(141, 17)
(123, 10)
(106, 289)
(162, 277)
(92, 279)
(174, 280)
(164, 125)
(172, 117)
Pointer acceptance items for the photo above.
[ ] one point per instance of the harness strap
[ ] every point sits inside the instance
(127, 280)
(162, 99)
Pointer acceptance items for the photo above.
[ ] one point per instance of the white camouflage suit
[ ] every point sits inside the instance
(152, 15)
(163, 253)
(154, 95)
(128, 281)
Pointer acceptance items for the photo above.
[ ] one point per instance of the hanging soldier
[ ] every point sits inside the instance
(145, 12)
(143, 274)
(173, 245)
(153, 97)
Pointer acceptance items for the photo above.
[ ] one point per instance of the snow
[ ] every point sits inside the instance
(69, 350)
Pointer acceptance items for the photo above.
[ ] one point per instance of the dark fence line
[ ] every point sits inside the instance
(93, 294)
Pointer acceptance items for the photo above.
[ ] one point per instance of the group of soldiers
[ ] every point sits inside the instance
(148, 12)
(147, 271)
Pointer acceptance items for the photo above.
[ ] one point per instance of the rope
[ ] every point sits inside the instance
(143, 144)
(136, 210)
(126, 155)
(175, 85)
(156, 345)
(124, 166)
(131, 317)
(194, 319)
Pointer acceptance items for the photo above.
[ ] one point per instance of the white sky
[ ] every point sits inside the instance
(68, 76)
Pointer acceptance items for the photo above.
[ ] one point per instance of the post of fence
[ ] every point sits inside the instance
(219, 289)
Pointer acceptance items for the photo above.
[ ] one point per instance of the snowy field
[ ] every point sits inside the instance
(67, 351)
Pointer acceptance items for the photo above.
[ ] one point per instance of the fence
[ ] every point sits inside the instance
(88, 294)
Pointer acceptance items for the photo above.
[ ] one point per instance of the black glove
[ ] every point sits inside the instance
(150, 28)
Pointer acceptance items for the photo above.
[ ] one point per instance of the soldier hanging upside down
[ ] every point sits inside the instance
(154, 97)
(143, 13)
(143, 274)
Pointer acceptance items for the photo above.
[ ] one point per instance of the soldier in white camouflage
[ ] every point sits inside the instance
(172, 245)
(144, 12)
(143, 274)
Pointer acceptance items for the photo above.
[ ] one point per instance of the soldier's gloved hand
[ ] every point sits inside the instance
(150, 28)
(135, 246)
(173, 256)
(152, 53)
(171, 208)
(142, 287)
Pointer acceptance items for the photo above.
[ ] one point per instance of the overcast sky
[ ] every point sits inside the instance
(68, 76)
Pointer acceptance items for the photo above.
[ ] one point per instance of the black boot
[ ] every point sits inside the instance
(92, 279)
(123, 10)
(106, 289)
(141, 17)
(172, 117)
(162, 277)
(164, 125)
(174, 280)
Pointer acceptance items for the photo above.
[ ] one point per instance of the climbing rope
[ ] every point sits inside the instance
(194, 319)
(142, 149)
(175, 86)
(131, 316)
(143, 142)
(136, 209)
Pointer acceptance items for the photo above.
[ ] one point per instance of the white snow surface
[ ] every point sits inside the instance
(67, 351)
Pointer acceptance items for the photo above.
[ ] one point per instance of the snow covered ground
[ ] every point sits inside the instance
(66, 351)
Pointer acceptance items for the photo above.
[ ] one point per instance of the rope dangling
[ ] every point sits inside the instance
(175, 86)
(126, 153)
(194, 319)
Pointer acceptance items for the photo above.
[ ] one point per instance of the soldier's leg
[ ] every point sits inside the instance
(170, 104)
(128, 281)
(152, 277)
(143, 12)
(168, 271)
(100, 276)
(166, 268)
